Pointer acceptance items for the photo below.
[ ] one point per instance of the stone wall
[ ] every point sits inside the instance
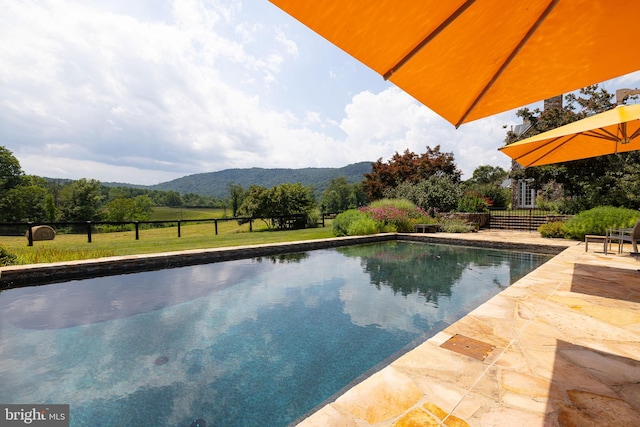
(482, 219)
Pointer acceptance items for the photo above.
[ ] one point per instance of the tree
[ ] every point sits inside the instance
(25, 203)
(81, 200)
(11, 173)
(236, 195)
(408, 167)
(50, 208)
(486, 183)
(281, 200)
(340, 195)
(121, 209)
(491, 175)
(173, 199)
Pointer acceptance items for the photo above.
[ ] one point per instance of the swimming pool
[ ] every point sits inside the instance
(250, 342)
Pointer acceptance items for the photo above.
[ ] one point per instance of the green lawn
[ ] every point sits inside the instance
(193, 236)
(162, 213)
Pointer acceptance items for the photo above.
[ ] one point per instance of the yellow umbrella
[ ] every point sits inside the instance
(468, 59)
(614, 131)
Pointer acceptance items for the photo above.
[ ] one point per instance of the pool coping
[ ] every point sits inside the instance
(46, 273)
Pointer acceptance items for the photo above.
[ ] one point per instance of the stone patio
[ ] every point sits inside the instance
(560, 347)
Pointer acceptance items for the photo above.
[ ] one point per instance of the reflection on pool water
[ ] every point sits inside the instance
(252, 342)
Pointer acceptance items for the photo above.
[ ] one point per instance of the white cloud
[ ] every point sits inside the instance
(158, 88)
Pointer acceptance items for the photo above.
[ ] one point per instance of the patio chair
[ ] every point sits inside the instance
(623, 235)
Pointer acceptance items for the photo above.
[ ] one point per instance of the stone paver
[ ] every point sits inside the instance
(566, 352)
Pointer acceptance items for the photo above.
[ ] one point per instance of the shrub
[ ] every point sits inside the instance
(599, 220)
(6, 257)
(313, 218)
(552, 229)
(500, 197)
(456, 225)
(386, 215)
(396, 214)
(472, 202)
(342, 221)
(363, 226)
(436, 192)
(568, 206)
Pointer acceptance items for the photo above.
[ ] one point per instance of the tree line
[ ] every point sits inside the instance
(32, 198)
(430, 180)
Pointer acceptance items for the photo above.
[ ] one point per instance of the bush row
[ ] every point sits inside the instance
(593, 221)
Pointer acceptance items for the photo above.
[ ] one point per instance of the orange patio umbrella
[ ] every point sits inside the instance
(614, 131)
(468, 59)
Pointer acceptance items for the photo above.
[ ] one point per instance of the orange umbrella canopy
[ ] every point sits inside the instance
(468, 59)
(614, 131)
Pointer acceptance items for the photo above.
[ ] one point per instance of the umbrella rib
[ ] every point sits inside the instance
(548, 152)
(428, 39)
(604, 135)
(513, 54)
(635, 134)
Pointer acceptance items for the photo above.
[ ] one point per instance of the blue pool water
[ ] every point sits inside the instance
(256, 342)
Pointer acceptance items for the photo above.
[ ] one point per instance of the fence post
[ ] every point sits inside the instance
(89, 231)
(137, 230)
(178, 228)
(215, 221)
(30, 234)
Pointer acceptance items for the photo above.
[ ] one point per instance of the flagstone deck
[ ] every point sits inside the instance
(560, 347)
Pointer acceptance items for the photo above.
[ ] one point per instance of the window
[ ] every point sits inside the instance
(526, 195)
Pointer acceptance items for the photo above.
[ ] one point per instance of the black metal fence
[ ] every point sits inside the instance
(522, 219)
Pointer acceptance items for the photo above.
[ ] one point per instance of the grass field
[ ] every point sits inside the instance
(162, 213)
(67, 247)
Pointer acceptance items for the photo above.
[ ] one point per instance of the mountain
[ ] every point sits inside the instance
(215, 184)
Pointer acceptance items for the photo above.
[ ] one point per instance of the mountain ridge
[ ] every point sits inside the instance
(215, 184)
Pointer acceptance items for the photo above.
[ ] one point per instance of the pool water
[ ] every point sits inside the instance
(255, 342)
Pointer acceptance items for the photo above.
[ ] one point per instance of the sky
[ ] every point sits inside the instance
(147, 91)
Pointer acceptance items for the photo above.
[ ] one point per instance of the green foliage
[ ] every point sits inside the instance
(6, 257)
(24, 203)
(408, 167)
(396, 214)
(488, 175)
(52, 254)
(281, 200)
(340, 195)
(172, 199)
(499, 197)
(455, 225)
(343, 221)
(552, 229)
(10, 171)
(236, 196)
(81, 200)
(472, 202)
(50, 209)
(599, 220)
(136, 209)
(364, 226)
(386, 215)
(215, 184)
(434, 194)
(313, 218)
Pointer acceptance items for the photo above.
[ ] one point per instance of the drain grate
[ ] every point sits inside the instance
(468, 346)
